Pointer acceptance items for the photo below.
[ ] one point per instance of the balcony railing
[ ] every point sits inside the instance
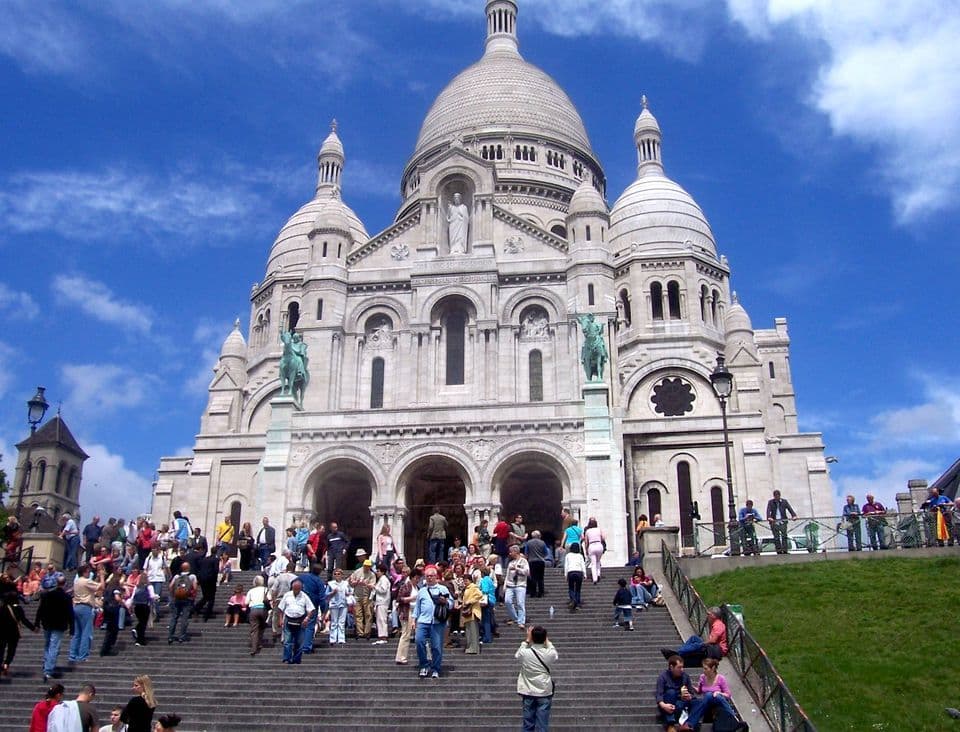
(825, 534)
(767, 688)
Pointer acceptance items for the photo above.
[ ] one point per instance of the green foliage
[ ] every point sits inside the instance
(854, 640)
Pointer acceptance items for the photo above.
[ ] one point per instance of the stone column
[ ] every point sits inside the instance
(398, 529)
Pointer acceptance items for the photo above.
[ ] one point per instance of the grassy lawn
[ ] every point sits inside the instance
(863, 645)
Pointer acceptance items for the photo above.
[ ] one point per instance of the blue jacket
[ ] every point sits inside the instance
(316, 590)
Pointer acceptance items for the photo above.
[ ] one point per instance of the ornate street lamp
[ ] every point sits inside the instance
(36, 408)
(722, 381)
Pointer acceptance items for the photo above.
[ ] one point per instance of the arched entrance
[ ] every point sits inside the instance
(434, 482)
(343, 491)
(530, 484)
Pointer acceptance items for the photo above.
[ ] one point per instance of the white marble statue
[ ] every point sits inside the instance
(458, 219)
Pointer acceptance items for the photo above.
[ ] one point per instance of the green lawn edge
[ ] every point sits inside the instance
(862, 644)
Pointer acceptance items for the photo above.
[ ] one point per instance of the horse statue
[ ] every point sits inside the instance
(294, 376)
(593, 355)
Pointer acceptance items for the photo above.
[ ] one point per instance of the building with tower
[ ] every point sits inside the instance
(444, 350)
(53, 473)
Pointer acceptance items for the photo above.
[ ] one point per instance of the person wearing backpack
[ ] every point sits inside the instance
(431, 610)
(183, 590)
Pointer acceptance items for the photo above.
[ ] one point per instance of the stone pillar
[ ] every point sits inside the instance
(918, 491)
(603, 472)
(398, 529)
(276, 454)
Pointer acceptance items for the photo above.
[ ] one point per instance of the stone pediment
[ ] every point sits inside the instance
(525, 230)
(386, 237)
(742, 357)
(223, 380)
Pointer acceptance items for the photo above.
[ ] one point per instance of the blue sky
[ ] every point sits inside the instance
(151, 151)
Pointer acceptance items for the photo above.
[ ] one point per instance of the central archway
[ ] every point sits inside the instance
(439, 482)
(342, 493)
(531, 484)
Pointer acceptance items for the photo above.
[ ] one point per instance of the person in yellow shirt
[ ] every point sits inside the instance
(225, 534)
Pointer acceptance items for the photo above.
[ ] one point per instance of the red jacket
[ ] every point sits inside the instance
(38, 720)
(501, 530)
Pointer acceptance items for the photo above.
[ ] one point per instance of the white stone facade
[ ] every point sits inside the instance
(439, 377)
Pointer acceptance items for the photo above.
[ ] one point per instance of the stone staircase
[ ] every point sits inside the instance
(605, 678)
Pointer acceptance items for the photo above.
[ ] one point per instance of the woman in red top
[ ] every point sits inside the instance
(501, 532)
(145, 542)
(38, 720)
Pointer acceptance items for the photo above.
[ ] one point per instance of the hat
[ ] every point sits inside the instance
(361, 553)
(367, 563)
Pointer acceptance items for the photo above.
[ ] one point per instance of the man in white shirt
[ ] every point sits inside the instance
(297, 607)
(515, 584)
(71, 535)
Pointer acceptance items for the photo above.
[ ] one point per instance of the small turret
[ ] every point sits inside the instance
(646, 135)
(330, 162)
(502, 27)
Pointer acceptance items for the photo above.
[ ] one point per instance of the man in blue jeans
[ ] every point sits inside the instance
(85, 591)
(297, 608)
(316, 590)
(55, 616)
(183, 591)
(429, 629)
(537, 657)
(674, 693)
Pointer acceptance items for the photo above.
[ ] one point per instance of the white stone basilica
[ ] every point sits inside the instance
(444, 351)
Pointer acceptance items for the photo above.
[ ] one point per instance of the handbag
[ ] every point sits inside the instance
(553, 684)
(440, 609)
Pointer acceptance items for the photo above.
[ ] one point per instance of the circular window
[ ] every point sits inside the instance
(673, 397)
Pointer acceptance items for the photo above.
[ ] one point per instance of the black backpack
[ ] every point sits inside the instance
(441, 610)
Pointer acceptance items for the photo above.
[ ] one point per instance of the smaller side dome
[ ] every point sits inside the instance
(737, 320)
(333, 217)
(234, 346)
(332, 145)
(587, 200)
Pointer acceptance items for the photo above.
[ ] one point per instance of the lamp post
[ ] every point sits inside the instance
(36, 408)
(722, 381)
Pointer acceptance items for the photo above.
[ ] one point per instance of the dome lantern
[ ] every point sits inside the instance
(646, 135)
(502, 27)
(330, 161)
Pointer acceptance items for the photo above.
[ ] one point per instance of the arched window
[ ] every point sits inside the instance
(455, 337)
(72, 488)
(654, 506)
(625, 304)
(773, 371)
(536, 376)
(293, 315)
(588, 232)
(673, 299)
(656, 300)
(590, 295)
(41, 474)
(704, 301)
(376, 383)
(61, 477)
(559, 230)
(324, 250)
(714, 304)
(339, 250)
(235, 515)
(686, 502)
(320, 309)
(716, 511)
(499, 152)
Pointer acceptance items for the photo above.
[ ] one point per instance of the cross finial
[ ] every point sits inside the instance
(643, 100)
(236, 324)
(333, 125)
(736, 299)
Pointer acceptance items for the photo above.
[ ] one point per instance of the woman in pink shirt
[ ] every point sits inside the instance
(714, 691)
(595, 544)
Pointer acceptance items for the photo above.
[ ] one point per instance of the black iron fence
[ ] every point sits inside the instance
(21, 561)
(827, 534)
(767, 688)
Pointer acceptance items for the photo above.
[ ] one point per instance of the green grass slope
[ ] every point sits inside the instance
(863, 645)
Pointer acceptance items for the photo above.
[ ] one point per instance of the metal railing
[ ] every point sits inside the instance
(22, 560)
(826, 534)
(766, 686)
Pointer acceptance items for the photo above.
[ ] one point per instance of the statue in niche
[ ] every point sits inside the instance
(294, 376)
(593, 355)
(458, 224)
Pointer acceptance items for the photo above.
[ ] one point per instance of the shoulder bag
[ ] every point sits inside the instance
(553, 684)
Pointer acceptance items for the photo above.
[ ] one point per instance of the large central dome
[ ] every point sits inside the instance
(502, 91)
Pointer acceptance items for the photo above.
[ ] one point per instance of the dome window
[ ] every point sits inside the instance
(625, 306)
(590, 292)
(559, 230)
(704, 300)
(588, 232)
(773, 371)
(324, 255)
(673, 299)
(714, 305)
(656, 301)
(320, 309)
(499, 152)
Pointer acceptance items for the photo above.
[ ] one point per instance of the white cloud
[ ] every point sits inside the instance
(934, 421)
(40, 37)
(890, 80)
(97, 300)
(122, 206)
(885, 480)
(7, 355)
(20, 304)
(681, 27)
(99, 389)
(109, 487)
